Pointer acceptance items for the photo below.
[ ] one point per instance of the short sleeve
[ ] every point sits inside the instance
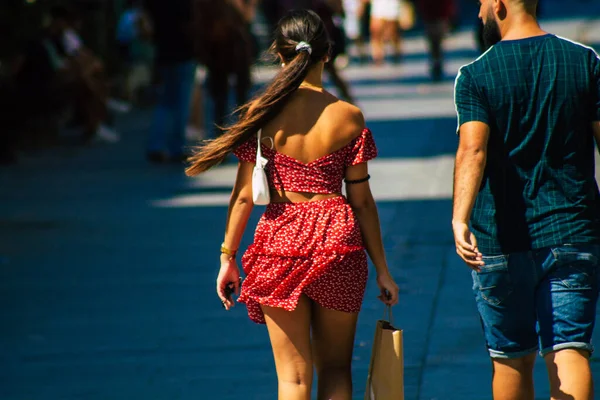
(470, 105)
(247, 151)
(596, 83)
(361, 149)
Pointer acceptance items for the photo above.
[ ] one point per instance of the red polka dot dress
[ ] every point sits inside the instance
(311, 247)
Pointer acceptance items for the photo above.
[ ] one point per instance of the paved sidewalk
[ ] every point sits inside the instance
(103, 296)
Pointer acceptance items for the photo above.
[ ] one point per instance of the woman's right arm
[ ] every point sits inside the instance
(240, 208)
(363, 204)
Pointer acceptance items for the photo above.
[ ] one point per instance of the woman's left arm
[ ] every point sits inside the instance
(240, 208)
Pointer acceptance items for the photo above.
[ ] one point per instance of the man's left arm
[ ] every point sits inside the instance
(471, 157)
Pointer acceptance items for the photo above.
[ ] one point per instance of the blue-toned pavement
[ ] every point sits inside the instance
(107, 265)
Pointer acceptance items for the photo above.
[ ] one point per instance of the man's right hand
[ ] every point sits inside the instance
(466, 246)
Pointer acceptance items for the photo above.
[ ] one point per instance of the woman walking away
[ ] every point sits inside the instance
(327, 11)
(385, 27)
(226, 48)
(307, 268)
(437, 16)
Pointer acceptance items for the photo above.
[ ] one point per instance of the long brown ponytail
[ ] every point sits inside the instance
(297, 26)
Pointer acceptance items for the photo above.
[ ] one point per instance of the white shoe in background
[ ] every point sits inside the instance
(106, 134)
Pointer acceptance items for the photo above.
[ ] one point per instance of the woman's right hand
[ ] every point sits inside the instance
(229, 274)
(388, 289)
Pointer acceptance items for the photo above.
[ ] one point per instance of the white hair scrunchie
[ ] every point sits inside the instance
(303, 46)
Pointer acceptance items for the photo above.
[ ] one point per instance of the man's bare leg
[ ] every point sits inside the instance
(570, 375)
(513, 378)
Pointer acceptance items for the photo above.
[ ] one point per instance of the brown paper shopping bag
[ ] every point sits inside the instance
(386, 371)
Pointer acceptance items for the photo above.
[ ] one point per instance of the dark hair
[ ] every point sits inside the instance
(297, 26)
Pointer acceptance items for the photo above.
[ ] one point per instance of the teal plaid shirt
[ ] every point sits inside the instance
(539, 96)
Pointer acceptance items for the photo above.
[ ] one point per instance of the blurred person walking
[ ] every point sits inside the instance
(526, 202)
(365, 27)
(354, 23)
(328, 10)
(385, 28)
(437, 16)
(58, 74)
(227, 49)
(307, 268)
(134, 35)
(195, 130)
(92, 86)
(175, 72)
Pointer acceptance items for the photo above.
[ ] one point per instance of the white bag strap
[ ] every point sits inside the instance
(259, 158)
(258, 149)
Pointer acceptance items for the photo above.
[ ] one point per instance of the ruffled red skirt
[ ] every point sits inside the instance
(313, 248)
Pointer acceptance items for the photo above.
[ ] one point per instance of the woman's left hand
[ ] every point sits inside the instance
(229, 275)
(388, 289)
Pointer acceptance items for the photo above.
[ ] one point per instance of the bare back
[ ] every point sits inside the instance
(312, 125)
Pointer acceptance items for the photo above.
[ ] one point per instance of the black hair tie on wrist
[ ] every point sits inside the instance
(354, 182)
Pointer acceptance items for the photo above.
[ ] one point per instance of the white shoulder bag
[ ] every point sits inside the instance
(260, 183)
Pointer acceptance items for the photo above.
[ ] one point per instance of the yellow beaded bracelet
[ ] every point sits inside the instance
(225, 250)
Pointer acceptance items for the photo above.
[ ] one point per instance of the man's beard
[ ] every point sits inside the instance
(491, 32)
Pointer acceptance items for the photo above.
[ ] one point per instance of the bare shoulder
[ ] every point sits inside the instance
(345, 120)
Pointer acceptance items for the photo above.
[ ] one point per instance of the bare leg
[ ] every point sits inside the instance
(290, 338)
(513, 378)
(333, 342)
(570, 375)
(392, 33)
(377, 45)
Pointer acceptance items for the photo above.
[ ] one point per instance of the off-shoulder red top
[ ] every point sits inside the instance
(323, 175)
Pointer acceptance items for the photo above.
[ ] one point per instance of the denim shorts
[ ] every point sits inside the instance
(542, 300)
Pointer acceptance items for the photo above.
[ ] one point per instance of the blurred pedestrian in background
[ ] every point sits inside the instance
(92, 83)
(195, 129)
(331, 12)
(352, 12)
(175, 71)
(134, 35)
(437, 16)
(385, 28)
(60, 76)
(227, 48)
(307, 268)
(356, 12)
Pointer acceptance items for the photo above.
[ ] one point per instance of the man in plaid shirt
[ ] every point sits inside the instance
(526, 204)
